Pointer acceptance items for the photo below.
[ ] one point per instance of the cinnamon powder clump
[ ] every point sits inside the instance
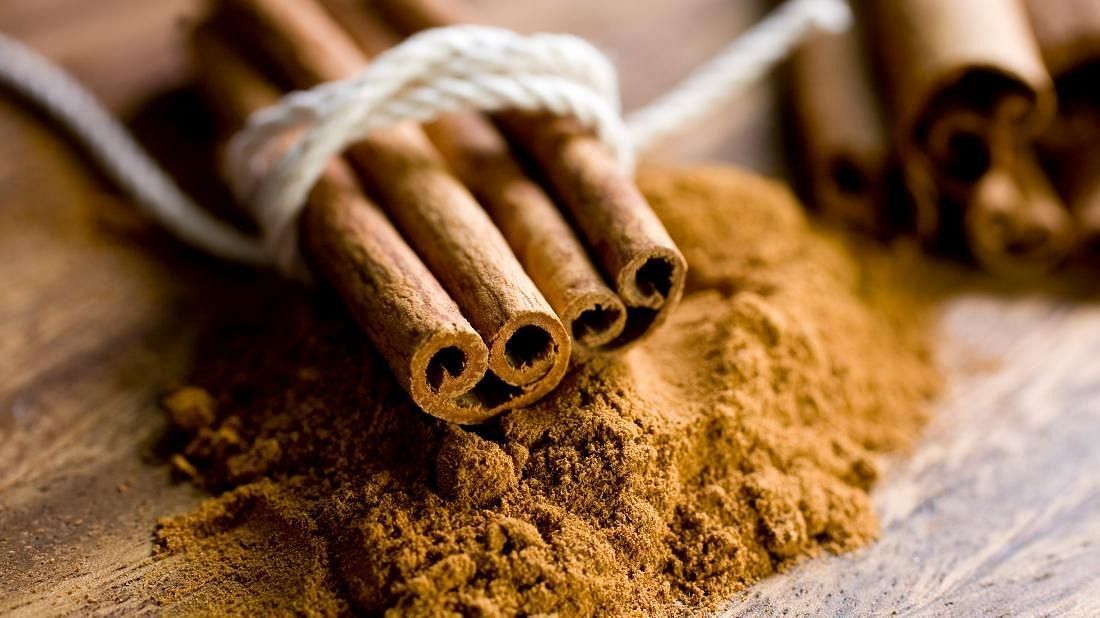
(741, 438)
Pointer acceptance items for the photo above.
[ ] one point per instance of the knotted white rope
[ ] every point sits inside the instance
(431, 74)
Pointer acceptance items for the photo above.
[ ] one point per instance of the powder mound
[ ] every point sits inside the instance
(741, 438)
(472, 470)
(259, 553)
(189, 408)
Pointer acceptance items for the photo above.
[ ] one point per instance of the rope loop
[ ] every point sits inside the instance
(433, 73)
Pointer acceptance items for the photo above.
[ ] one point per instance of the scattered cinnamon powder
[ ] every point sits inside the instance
(190, 408)
(741, 438)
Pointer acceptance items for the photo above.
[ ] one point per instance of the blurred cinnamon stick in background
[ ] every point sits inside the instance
(627, 240)
(1077, 174)
(968, 93)
(843, 142)
(1005, 197)
(1068, 34)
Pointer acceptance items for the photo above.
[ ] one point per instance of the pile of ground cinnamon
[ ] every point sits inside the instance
(742, 437)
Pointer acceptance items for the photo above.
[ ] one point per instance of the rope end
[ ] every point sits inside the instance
(831, 15)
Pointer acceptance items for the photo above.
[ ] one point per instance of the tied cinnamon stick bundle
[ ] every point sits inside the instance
(964, 104)
(527, 347)
(539, 235)
(1068, 33)
(843, 141)
(629, 243)
(432, 349)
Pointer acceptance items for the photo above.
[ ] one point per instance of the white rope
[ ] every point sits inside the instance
(715, 84)
(25, 71)
(431, 74)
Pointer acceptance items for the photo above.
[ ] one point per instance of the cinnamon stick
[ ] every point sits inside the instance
(436, 355)
(539, 235)
(1078, 181)
(1068, 33)
(843, 139)
(1014, 206)
(627, 239)
(963, 104)
(528, 346)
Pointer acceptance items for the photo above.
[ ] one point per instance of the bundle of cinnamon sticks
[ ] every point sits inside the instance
(473, 280)
(984, 113)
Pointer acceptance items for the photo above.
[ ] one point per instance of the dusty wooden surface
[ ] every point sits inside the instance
(998, 511)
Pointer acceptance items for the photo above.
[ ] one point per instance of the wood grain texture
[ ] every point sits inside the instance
(997, 512)
(92, 327)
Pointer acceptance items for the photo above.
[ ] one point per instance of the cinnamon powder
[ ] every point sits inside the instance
(740, 439)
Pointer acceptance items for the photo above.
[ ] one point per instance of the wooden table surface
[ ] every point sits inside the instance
(997, 512)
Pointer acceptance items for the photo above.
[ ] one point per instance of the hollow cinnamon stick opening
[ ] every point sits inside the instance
(628, 241)
(967, 88)
(843, 142)
(528, 346)
(935, 63)
(542, 239)
(434, 352)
